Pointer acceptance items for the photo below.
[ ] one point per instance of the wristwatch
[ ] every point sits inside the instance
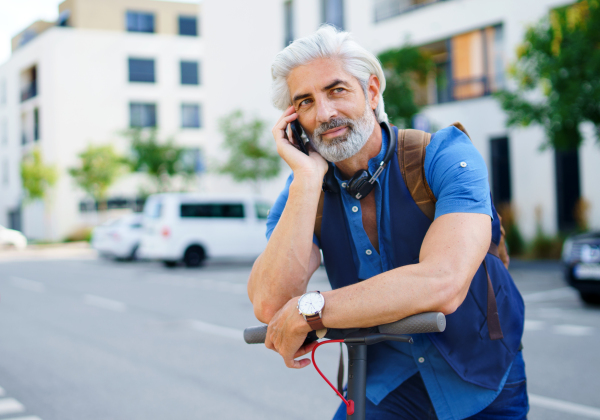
(310, 306)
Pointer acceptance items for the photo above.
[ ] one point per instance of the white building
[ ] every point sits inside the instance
(103, 67)
(473, 42)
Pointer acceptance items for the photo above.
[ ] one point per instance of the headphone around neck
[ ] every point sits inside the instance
(362, 183)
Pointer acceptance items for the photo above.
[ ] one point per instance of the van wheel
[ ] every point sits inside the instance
(170, 264)
(194, 256)
(590, 298)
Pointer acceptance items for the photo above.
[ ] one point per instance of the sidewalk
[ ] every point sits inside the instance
(61, 251)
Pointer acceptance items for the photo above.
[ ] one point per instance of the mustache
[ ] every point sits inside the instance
(333, 123)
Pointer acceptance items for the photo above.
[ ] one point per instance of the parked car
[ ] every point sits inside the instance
(188, 228)
(11, 237)
(581, 255)
(119, 238)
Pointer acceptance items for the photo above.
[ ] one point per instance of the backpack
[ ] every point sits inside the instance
(411, 158)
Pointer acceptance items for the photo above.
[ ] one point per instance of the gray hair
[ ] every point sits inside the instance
(327, 42)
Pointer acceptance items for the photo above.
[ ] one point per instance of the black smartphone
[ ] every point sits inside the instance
(297, 136)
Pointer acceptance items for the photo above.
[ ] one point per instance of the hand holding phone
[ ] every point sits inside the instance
(297, 137)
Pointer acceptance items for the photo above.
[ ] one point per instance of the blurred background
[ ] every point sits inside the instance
(135, 144)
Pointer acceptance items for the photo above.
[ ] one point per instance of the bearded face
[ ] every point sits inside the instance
(348, 144)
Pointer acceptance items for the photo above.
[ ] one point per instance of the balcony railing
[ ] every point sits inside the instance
(385, 9)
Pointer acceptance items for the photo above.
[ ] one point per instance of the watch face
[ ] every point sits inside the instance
(311, 303)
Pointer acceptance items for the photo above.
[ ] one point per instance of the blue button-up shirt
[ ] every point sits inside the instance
(457, 175)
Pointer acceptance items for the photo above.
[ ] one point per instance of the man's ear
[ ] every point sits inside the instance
(373, 87)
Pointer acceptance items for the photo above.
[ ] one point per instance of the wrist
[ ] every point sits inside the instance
(306, 182)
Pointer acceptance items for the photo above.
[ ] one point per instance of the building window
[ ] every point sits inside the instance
(188, 25)
(288, 19)
(24, 136)
(142, 115)
(190, 73)
(5, 172)
(3, 92)
(141, 70)
(29, 85)
(385, 9)
(467, 66)
(4, 132)
(501, 191)
(568, 187)
(193, 160)
(190, 116)
(333, 12)
(36, 124)
(63, 18)
(140, 22)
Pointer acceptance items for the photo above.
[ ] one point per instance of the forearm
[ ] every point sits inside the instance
(284, 268)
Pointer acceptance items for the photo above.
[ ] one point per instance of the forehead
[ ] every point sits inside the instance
(316, 75)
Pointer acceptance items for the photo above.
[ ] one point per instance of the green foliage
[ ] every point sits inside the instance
(83, 234)
(560, 57)
(404, 68)
(100, 167)
(252, 156)
(514, 240)
(544, 247)
(36, 176)
(160, 160)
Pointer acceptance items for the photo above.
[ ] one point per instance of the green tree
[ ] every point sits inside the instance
(252, 156)
(37, 178)
(99, 168)
(405, 68)
(556, 74)
(160, 160)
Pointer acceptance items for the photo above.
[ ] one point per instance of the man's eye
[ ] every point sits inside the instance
(305, 102)
(338, 90)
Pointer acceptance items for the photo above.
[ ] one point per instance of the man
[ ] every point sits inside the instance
(384, 258)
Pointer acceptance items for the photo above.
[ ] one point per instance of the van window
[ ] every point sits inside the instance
(262, 210)
(213, 210)
(153, 209)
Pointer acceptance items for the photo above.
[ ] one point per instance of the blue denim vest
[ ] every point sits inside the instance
(465, 344)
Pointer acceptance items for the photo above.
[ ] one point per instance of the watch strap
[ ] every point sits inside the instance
(315, 322)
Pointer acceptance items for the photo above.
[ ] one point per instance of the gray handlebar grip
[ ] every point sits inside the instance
(255, 335)
(420, 323)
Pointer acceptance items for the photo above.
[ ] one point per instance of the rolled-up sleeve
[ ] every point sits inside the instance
(457, 174)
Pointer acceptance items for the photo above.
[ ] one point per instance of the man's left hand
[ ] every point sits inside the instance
(286, 334)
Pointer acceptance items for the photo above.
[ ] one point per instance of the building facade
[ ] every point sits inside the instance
(472, 43)
(102, 68)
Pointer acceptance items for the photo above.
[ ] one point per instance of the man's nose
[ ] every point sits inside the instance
(325, 111)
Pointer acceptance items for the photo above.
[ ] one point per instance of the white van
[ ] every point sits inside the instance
(192, 227)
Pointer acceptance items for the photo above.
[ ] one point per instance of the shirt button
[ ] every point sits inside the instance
(421, 360)
(463, 164)
(344, 185)
(368, 252)
(354, 209)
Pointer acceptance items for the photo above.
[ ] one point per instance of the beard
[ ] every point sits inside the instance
(347, 145)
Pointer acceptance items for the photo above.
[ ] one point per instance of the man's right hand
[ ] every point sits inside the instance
(312, 167)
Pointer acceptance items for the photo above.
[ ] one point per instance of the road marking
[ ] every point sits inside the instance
(575, 330)
(10, 406)
(549, 295)
(100, 302)
(26, 284)
(216, 329)
(564, 406)
(534, 325)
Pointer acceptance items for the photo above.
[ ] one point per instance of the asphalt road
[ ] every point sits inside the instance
(99, 340)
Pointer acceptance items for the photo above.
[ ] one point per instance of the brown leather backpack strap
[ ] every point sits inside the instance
(493, 319)
(461, 128)
(411, 157)
(319, 217)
